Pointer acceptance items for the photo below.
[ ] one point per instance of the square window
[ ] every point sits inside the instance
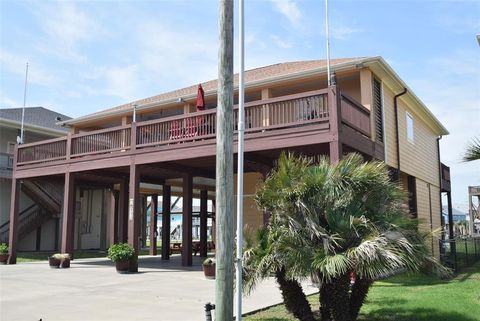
(409, 128)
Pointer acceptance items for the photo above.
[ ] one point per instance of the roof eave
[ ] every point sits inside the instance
(32, 127)
(276, 79)
(401, 84)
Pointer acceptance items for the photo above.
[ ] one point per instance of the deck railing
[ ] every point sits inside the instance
(445, 170)
(44, 151)
(260, 116)
(355, 115)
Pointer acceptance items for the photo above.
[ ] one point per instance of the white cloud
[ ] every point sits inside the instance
(66, 28)
(8, 102)
(280, 42)
(290, 10)
(341, 31)
(37, 73)
(173, 57)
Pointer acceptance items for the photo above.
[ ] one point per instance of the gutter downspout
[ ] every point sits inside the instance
(397, 140)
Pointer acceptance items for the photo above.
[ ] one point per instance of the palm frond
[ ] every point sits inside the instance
(473, 151)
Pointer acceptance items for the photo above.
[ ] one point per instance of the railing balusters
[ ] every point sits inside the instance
(270, 114)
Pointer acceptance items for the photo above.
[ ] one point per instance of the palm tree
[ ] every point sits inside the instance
(274, 253)
(350, 219)
(473, 151)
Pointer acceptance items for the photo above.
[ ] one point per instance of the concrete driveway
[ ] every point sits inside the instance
(91, 290)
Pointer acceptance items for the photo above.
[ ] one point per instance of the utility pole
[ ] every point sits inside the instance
(224, 167)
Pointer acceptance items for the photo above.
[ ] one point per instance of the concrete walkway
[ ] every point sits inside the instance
(91, 290)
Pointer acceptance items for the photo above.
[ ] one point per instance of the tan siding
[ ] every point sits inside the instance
(391, 152)
(252, 216)
(428, 207)
(420, 158)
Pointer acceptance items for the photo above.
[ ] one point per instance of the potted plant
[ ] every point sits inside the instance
(121, 254)
(3, 253)
(59, 259)
(209, 268)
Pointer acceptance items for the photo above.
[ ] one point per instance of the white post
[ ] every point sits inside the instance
(241, 130)
(134, 118)
(328, 43)
(24, 103)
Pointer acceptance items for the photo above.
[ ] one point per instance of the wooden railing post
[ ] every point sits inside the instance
(335, 119)
(133, 139)
(68, 147)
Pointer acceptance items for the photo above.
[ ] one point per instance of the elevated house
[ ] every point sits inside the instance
(170, 146)
(38, 221)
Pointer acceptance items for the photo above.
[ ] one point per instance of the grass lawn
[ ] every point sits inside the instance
(410, 298)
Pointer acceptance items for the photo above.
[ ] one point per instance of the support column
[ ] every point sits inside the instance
(68, 222)
(451, 235)
(153, 224)
(334, 106)
(57, 233)
(13, 232)
(187, 220)
(335, 151)
(134, 214)
(203, 223)
(144, 222)
(166, 203)
(123, 212)
(113, 212)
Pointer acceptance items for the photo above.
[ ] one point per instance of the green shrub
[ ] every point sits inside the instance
(3, 248)
(121, 252)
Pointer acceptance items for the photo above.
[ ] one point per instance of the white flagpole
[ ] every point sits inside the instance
(328, 44)
(241, 129)
(24, 103)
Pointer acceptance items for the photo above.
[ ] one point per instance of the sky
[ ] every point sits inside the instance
(85, 56)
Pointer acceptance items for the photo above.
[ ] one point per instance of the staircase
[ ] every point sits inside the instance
(47, 194)
(48, 199)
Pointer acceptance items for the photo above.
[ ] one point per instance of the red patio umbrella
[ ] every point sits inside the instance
(200, 98)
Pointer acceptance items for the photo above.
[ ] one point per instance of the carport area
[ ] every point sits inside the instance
(92, 290)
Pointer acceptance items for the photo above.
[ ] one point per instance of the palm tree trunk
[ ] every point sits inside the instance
(337, 298)
(358, 296)
(295, 300)
(325, 312)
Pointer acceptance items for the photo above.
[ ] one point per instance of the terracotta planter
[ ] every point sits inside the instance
(54, 263)
(122, 267)
(209, 270)
(4, 258)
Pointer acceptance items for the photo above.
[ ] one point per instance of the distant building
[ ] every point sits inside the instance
(460, 220)
(37, 222)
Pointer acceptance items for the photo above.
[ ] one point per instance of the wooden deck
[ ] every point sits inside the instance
(315, 117)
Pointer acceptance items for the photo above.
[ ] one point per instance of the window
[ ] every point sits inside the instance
(409, 128)
(412, 196)
(378, 109)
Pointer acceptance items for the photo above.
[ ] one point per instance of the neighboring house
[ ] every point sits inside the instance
(36, 219)
(170, 149)
(461, 221)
